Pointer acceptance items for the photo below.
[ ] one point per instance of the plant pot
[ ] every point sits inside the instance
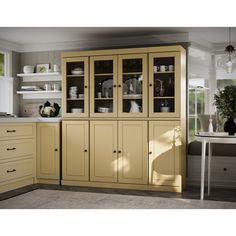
(230, 126)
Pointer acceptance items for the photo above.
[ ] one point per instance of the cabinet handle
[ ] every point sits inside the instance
(119, 86)
(119, 151)
(150, 85)
(114, 151)
(11, 131)
(114, 85)
(150, 153)
(85, 150)
(9, 171)
(55, 149)
(11, 149)
(85, 86)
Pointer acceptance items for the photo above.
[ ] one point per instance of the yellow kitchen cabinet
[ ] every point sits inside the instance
(48, 152)
(75, 87)
(165, 84)
(132, 85)
(17, 155)
(103, 151)
(165, 158)
(103, 86)
(75, 150)
(132, 152)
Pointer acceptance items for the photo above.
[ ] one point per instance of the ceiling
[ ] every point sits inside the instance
(34, 35)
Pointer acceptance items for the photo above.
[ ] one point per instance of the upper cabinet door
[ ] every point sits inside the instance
(164, 84)
(103, 82)
(75, 87)
(132, 85)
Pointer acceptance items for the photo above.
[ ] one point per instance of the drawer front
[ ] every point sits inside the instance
(16, 169)
(16, 148)
(16, 130)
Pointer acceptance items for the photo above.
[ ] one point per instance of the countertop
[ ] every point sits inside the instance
(29, 119)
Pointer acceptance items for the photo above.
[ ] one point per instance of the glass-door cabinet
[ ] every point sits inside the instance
(75, 87)
(103, 86)
(132, 85)
(164, 84)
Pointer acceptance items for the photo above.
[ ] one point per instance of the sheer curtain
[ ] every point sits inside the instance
(6, 94)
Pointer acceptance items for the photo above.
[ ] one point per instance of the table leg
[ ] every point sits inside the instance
(203, 168)
(209, 167)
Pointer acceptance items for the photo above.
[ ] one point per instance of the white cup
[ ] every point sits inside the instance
(56, 87)
(47, 87)
(163, 68)
(55, 68)
(171, 68)
(155, 68)
(99, 94)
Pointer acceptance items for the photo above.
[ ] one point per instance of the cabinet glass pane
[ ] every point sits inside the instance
(164, 84)
(75, 87)
(103, 86)
(132, 78)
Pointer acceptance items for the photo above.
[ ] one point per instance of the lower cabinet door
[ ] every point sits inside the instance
(75, 154)
(164, 149)
(103, 151)
(132, 152)
(48, 150)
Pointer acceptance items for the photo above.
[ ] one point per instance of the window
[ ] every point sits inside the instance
(2, 64)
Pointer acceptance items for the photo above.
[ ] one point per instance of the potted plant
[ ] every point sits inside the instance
(225, 101)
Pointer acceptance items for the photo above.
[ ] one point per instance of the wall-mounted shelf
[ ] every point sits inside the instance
(40, 94)
(36, 77)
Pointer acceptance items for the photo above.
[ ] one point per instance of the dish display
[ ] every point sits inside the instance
(103, 109)
(107, 88)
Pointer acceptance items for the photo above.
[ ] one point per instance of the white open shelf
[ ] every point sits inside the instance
(35, 77)
(40, 94)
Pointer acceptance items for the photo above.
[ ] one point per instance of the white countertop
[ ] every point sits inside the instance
(29, 119)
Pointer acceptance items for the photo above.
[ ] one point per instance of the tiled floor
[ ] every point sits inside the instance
(66, 197)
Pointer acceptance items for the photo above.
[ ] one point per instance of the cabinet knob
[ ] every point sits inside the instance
(55, 149)
(150, 153)
(119, 151)
(119, 86)
(114, 151)
(85, 150)
(114, 85)
(150, 85)
(85, 86)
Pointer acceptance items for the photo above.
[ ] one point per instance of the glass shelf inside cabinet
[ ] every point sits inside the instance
(103, 86)
(164, 84)
(132, 99)
(75, 87)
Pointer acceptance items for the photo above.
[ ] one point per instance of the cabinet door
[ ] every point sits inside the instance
(75, 87)
(48, 150)
(132, 86)
(133, 152)
(164, 84)
(164, 151)
(103, 95)
(103, 151)
(75, 156)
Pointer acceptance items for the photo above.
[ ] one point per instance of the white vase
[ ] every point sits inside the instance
(134, 107)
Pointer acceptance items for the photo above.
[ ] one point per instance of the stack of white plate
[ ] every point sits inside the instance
(28, 69)
(103, 109)
(77, 71)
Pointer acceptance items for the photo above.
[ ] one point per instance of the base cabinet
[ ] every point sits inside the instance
(75, 154)
(119, 152)
(165, 153)
(48, 151)
(103, 151)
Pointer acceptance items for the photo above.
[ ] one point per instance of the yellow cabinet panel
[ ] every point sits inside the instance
(103, 151)
(75, 157)
(133, 152)
(164, 150)
(48, 150)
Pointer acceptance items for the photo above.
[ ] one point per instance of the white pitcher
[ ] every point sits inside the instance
(134, 107)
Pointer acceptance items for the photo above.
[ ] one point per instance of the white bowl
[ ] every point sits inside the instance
(77, 72)
(77, 110)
